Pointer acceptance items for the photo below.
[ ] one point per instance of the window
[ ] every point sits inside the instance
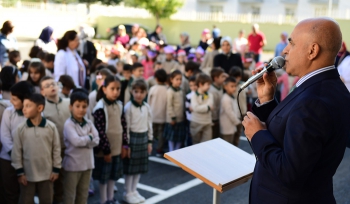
(290, 12)
(216, 9)
(255, 10)
(321, 11)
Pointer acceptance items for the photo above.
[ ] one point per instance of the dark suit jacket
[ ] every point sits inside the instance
(225, 62)
(304, 143)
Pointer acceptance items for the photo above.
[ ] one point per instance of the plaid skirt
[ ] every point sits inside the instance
(138, 161)
(104, 171)
(175, 133)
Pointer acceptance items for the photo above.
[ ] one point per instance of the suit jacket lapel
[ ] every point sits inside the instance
(315, 79)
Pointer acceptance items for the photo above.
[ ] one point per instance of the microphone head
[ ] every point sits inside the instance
(278, 62)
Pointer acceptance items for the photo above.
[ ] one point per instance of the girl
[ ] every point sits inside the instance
(111, 126)
(14, 58)
(182, 60)
(174, 130)
(140, 135)
(36, 72)
(148, 64)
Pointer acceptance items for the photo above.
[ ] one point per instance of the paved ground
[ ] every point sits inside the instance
(168, 184)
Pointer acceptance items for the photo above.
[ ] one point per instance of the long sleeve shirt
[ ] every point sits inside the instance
(201, 104)
(157, 100)
(36, 151)
(79, 139)
(175, 105)
(229, 115)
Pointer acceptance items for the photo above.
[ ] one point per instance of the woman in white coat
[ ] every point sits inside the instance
(68, 61)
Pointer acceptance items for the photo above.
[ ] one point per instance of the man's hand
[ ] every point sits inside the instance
(266, 85)
(22, 180)
(252, 125)
(149, 149)
(53, 177)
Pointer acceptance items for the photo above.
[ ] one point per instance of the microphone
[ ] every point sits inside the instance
(276, 63)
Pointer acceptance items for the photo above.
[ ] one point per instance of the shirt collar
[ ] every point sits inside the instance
(137, 104)
(82, 124)
(311, 74)
(175, 89)
(19, 112)
(42, 123)
(59, 100)
(218, 88)
(108, 102)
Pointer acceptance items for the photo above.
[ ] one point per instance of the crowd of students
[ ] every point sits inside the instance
(55, 136)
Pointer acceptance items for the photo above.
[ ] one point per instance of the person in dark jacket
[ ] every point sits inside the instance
(227, 59)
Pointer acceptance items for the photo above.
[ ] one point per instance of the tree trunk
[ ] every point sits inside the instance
(87, 7)
(157, 19)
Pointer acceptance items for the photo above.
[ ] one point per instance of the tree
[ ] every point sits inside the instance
(159, 8)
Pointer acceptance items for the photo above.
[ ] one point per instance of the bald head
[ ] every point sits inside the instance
(325, 32)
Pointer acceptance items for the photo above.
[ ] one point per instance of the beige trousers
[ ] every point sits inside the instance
(200, 133)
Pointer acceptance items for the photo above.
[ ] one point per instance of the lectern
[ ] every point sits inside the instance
(217, 163)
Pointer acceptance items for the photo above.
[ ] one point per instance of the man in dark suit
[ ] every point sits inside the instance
(300, 142)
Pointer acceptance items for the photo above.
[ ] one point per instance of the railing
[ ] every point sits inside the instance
(122, 11)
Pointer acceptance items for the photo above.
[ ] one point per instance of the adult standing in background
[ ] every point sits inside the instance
(68, 61)
(256, 42)
(281, 45)
(134, 30)
(216, 32)
(342, 54)
(87, 48)
(227, 59)
(300, 142)
(157, 36)
(8, 42)
(122, 36)
(185, 43)
(208, 61)
(240, 43)
(343, 62)
(46, 41)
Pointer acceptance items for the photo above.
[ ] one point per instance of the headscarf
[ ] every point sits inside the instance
(46, 33)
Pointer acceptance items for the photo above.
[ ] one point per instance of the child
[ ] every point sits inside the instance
(169, 65)
(12, 116)
(193, 88)
(8, 77)
(229, 113)
(110, 124)
(67, 85)
(56, 110)
(199, 55)
(151, 81)
(80, 137)
(36, 72)
(157, 99)
(36, 153)
(190, 69)
(148, 64)
(3, 105)
(14, 57)
(140, 135)
(182, 60)
(236, 72)
(120, 69)
(218, 76)
(201, 104)
(175, 127)
(49, 64)
(136, 73)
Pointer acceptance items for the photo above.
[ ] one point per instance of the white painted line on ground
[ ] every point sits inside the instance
(145, 187)
(162, 161)
(174, 191)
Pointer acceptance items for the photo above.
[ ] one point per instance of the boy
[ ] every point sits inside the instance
(236, 72)
(157, 100)
(49, 64)
(193, 88)
(56, 110)
(136, 73)
(67, 85)
(218, 76)
(124, 93)
(169, 65)
(3, 105)
(229, 113)
(12, 116)
(151, 80)
(201, 104)
(80, 137)
(191, 68)
(36, 153)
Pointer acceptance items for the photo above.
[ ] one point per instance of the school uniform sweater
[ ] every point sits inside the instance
(139, 119)
(217, 95)
(36, 151)
(229, 115)
(170, 66)
(200, 104)
(185, 85)
(111, 126)
(188, 104)
(175, 105)
(157, 100)
(3, 105)
(58, 113)
(10, 120)
(79, 139)
(92, 104)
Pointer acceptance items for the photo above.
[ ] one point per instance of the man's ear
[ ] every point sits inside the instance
(314, 51)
